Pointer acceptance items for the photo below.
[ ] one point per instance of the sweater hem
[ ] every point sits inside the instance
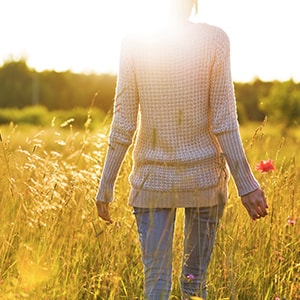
(196, 198)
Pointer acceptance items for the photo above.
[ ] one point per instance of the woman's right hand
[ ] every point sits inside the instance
(103, 211)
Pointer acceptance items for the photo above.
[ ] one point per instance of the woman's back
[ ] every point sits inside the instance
(173, 71)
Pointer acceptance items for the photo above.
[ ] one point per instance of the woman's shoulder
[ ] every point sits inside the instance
(210, 29)
(199, 31)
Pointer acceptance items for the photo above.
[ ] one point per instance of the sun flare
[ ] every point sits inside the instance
(84, 36)
(143, 16)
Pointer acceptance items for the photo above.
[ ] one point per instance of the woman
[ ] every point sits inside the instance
(178, 81)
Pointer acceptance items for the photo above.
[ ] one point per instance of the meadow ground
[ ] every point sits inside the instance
(53, 246)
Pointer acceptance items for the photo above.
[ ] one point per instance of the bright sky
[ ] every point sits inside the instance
(84, 36)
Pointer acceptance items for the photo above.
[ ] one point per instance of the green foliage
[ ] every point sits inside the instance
(41, 116)
(21, 86)
(68, 90)
(34, 115)
(15, 84)
(247, 96)
(282, 104)
(53, 246)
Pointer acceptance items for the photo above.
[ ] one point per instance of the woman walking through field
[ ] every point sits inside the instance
(178, 81)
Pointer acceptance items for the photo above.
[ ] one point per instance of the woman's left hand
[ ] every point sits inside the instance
(103, 211)
(256, 204)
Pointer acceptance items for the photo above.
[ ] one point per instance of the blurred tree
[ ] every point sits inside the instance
(67, 90)
(21, 86)
(248, 95)
(106, 92)
(282, 104)
(16, 84)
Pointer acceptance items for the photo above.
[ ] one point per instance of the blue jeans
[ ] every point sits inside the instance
(156, 229)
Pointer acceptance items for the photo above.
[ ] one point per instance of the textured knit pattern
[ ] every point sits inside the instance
(175, 91)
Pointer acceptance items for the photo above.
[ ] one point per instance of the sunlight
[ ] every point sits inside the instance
(84, 36)
(144, 16)
(117, 19)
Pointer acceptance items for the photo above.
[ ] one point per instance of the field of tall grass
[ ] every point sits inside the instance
(53, 246)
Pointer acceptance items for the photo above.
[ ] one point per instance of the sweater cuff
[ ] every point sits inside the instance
(114, 158)
(233, 150)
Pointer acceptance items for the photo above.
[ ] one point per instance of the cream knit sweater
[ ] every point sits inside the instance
(175, 92)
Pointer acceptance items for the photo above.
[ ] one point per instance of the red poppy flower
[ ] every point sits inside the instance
(291, 221)
(265, 166)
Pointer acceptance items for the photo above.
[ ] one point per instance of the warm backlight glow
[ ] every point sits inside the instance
(85, 36)
(143, 16)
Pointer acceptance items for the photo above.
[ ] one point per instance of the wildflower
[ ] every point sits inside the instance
(190, 277)
(279, 257)
(291, 221)
(277, 298)
(265, 166)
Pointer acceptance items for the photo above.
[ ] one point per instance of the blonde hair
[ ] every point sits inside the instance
(183, 7)
(195, 5)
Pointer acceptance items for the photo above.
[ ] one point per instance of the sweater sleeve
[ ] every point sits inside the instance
(224, 117)
(232, 148)
(113, 161)
(123, 124)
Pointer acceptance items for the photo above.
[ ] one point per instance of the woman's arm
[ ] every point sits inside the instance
(123, 125)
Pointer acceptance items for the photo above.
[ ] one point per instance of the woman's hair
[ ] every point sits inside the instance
(195, 6)
(183, 7)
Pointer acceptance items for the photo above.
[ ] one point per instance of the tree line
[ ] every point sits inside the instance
(21, 86)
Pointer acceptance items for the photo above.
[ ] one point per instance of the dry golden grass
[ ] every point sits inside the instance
(53, 246)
